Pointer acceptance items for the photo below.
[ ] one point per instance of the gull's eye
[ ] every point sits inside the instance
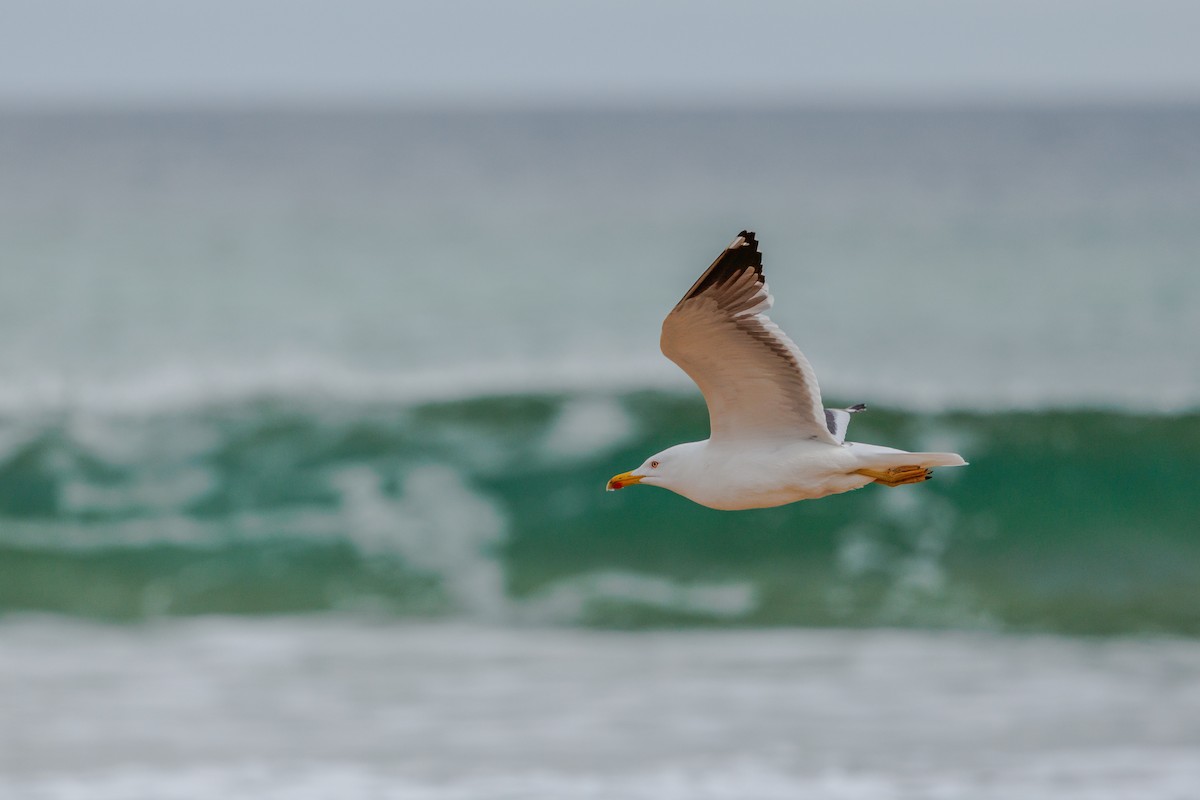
(653, 465)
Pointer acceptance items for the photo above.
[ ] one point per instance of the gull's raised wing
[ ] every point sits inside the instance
(755, 380)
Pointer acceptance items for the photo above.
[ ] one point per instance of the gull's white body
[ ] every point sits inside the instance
(735, 477)
(772, 441)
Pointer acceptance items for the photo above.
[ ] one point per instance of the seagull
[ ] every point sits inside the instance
(771, 441)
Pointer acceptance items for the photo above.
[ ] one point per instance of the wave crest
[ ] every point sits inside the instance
(493, 508)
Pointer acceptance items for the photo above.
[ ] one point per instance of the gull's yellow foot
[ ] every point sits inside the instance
(898, 476)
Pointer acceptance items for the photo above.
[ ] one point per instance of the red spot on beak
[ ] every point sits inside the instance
(622, 480)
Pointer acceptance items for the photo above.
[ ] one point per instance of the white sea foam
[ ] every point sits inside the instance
(588, 426)
(1131, 775)
(569, 600)
(332, 707)
(317, 381)
(439, 526)
(321, 381)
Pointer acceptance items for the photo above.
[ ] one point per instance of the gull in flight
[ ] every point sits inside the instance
(771, 441)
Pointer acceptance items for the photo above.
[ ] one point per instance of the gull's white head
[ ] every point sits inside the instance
(668, 469)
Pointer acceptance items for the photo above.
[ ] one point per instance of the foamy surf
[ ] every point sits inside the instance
(326, 707)
(317, 380)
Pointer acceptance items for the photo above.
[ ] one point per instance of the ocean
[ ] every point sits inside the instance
(306, 417)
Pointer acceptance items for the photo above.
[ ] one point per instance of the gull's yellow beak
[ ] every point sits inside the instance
(623, 480)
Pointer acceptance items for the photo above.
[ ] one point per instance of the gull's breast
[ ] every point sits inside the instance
(767, 474)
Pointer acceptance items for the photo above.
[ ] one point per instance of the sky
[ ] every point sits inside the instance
(177, 52)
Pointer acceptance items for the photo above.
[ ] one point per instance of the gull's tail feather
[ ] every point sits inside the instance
(897, 467)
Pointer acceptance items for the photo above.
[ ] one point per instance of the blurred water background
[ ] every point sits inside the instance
(324, 404)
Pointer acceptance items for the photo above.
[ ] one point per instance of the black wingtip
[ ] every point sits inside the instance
(854, 409)
(746, 240)
(742, 253)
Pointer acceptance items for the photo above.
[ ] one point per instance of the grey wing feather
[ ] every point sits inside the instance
(838, 420)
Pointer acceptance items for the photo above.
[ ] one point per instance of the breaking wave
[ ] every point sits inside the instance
(493, 508)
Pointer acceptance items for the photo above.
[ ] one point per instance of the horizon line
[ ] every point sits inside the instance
(882, 101)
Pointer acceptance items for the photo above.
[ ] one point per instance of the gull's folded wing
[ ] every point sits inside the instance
(755, 380)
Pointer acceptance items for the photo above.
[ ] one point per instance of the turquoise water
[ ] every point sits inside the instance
(494, 507)
(923, 259)
(305, 422)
